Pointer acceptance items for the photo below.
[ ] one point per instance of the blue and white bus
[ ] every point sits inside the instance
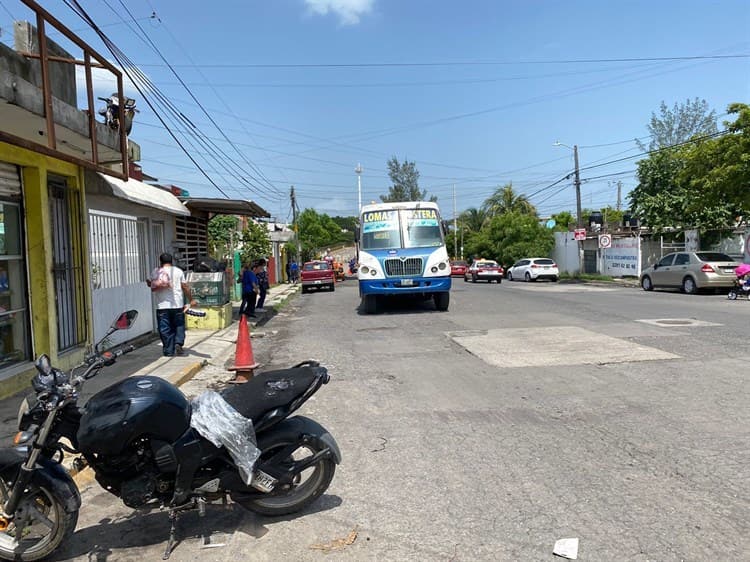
(402, 252)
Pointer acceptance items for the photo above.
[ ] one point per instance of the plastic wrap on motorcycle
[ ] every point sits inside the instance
(220, 423)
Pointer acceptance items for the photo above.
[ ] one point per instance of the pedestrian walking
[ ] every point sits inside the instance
(263, 285)
(287, 268)
(250, 291)
(294, 271)
(168, 285)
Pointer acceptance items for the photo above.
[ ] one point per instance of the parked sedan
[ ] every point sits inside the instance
(459, 267)
(531, 269)
(690, 271)
(484, 270)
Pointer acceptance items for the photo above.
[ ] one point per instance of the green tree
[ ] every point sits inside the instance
(506, 200)
(473, 219)
(222, 236)
(564, 221)
(681, 123)
(318, 231)
(511, 236)
(255, 242)
(405, 179)
(719, 168)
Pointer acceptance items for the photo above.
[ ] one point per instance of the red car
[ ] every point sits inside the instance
(458, 267)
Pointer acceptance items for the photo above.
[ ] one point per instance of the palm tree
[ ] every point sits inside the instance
(473, 219)
(505, 200)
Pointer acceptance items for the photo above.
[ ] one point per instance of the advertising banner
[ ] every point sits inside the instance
(623, 257)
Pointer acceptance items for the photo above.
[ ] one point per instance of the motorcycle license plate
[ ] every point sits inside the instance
(407, 282)
(263, 482)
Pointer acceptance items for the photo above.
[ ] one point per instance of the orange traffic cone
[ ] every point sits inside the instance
(244, 361)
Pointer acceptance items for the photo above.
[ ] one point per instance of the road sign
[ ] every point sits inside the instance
(605, 241)
(551, 223)
(580, 233)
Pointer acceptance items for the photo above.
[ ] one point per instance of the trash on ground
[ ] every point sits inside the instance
(567, 548)
(337, 544)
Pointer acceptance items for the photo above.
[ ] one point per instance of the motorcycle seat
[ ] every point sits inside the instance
(272, 389)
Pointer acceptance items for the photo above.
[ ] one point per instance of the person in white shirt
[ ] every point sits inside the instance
(169, 287)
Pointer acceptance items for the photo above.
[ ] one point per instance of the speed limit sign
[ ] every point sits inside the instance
(605, 241)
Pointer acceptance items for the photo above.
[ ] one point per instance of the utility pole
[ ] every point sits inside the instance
(579, 218)
(619, 192)
(455, 226)
(294, 223)
(358, 170)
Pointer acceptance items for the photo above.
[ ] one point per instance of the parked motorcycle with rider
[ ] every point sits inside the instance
(151, 447)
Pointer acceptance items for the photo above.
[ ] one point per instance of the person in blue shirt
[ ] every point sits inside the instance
(294, 271)
(250, 291)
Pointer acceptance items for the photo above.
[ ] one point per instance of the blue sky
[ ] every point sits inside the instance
(475, 92)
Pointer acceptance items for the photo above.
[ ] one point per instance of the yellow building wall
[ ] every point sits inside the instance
(35, 169)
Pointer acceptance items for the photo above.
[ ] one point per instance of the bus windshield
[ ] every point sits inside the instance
(405, 228)
(421, 228)
(380, 231)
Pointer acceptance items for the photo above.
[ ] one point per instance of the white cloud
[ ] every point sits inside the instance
(348, 11)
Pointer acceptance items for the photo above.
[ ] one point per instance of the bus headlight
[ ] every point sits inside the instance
(441, 265)
(364, 269)
(373, 272)
(434, 269)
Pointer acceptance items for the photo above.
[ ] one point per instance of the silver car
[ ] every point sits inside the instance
(690, 271)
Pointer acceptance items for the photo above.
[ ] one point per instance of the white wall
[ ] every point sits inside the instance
(565, 252)
(108, 303)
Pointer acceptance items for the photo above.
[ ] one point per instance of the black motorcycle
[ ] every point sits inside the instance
(137, 437)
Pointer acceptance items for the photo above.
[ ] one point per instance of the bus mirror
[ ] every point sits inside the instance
(446, 226)
(356, 233)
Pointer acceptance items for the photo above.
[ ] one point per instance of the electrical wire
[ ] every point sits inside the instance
(195, 99)
(142, 83)
(464, 63)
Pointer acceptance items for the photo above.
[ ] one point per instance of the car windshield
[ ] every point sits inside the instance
(380, 230)
(384, 230)
(713, 256)
(486, 264)
(316, 266)
(544, 262)
(421, 228)
(458, 263)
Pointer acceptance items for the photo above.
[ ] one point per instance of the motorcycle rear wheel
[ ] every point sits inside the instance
(307, 487)
(40, 520)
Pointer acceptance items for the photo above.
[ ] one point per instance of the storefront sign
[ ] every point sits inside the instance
(623, 257)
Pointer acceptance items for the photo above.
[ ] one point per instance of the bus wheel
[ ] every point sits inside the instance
(442, 300)
(370, 304)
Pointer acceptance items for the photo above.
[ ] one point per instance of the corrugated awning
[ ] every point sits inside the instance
(145, 194)
(227, 207)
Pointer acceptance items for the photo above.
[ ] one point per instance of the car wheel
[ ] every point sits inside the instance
(510, 276)
(646, 283)
(498, 280)
(732, 296)
(554, 279)
(527, 277)
(473, 278)
(688, 286)
(466, 279)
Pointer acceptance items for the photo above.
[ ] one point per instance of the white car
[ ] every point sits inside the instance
(531, 269)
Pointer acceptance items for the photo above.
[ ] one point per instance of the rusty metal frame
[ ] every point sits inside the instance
(43, 17)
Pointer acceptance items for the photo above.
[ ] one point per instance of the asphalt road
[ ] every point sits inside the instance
(525, 414)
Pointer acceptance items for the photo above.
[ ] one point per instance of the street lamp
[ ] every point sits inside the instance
(358, 170)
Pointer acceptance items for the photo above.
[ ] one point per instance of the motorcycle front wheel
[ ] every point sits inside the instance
(40, 525)
(307, 486)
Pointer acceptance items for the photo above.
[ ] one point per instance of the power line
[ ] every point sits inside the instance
(462, 63)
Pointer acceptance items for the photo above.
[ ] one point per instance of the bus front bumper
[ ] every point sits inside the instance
(405, 286)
